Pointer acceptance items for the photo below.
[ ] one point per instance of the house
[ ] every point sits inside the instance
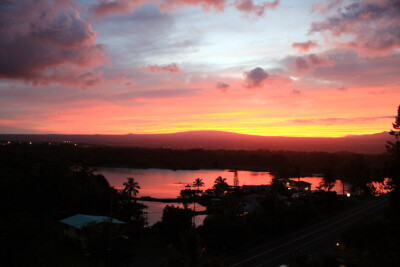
(76, 225)
(296, 185)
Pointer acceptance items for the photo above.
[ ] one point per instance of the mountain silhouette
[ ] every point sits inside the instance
(371, 143)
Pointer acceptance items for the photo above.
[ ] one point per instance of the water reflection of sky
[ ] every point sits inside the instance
(162, 183)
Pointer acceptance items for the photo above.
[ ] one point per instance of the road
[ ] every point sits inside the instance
(309, 239)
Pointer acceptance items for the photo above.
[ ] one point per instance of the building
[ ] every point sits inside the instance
(76, 226)
(297, 185)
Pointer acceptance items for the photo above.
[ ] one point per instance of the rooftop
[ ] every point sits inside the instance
(81, 220)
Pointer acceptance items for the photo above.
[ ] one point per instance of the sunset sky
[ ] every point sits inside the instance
(287, 68)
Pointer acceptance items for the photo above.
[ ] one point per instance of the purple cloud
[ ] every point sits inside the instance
(375, 26)
(306, 46)
(255, 78)
(309, 61)
(105, 8)
(222, 86)
(248, 7)
(171, 68)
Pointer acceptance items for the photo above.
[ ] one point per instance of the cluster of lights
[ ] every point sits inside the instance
(30, 143)
(4, 144)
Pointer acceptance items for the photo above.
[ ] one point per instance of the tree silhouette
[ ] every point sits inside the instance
(131, 187)
(329, 179)
(394, 149)
(186, 195)
(174, 221)
(198, 183)
(220, 184)
(220, 180)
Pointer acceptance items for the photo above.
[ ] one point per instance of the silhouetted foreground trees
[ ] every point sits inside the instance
(394, 168)
(35, 193)
(41, 184)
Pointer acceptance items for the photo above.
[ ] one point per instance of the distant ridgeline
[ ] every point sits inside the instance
(373, 143)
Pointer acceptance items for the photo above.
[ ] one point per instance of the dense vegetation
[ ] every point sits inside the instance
(281, 163)
(41, 184)
(37, 192)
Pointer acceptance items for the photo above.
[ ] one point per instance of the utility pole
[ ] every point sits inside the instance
(236, 179)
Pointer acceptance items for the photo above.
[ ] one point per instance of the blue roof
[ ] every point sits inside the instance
(81, 220)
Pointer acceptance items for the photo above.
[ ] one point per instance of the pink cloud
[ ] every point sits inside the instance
(205, 4)
(306, 46)
(330, 121)
(248, 7)
(374, 25)
(255, 78)
(171, 68)
(326, 6)
(44, 42)
(105, 8)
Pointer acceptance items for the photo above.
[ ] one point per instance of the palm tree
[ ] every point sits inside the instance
(220, 184)
(220, 180)
(131, 187)
(198, 183)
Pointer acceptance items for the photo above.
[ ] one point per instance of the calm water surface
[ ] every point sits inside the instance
(163, 183)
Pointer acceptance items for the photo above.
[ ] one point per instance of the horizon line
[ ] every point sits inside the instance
(194, 131)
